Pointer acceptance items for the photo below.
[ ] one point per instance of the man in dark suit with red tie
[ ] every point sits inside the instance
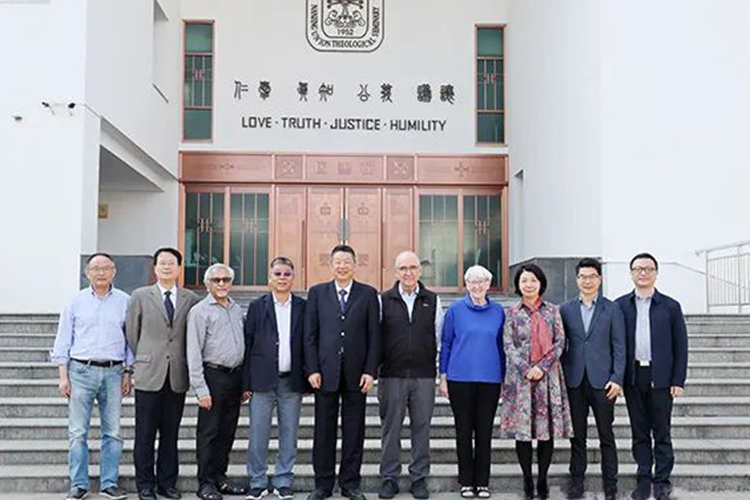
(342, 353)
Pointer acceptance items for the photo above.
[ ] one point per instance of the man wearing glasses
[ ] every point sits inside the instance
(655, 371)
(412, 319)
(95, 364)
(215, 352)
(594, 364)
(273, 375)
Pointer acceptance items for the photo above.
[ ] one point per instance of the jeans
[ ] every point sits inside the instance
(89, 383)
(288, 404)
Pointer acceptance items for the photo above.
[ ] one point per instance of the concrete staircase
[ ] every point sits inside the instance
(711, 424)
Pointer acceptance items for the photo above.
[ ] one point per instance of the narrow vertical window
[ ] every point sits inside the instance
(490, 85)
(198, 81)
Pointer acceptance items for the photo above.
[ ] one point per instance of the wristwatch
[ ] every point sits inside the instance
(128, 370)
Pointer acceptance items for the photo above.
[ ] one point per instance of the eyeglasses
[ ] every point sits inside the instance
(588, 277)
(477, 282)
(643, 270)
(405, 269)
(279, 274)
(223, 279)
(97, 269)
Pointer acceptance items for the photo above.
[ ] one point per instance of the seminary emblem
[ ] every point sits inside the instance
(344, 25)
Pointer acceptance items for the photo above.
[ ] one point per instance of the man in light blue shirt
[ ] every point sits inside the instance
(95, 364)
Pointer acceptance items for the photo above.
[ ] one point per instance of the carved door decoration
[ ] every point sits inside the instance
(324, 214)
(398, 231)
(290, 232)
(363, 223)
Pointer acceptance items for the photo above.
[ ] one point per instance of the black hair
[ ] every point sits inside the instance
(171, 250)
(644, 255)
(99, 254)
(536, 271)
(286, 261)
(344, 248)
(589, 262)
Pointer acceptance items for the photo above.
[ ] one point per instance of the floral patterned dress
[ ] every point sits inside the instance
(534, 410)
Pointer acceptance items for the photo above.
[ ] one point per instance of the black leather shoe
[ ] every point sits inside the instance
(642, 491)
(528, 488)
(147, 494)
(575, 489)
(419, 489)
(209, 492)
(318, 495)
(662, 491)
(228, 487)
(171, 493)
(388, 489)
(355, 494)
(610, 493)
(542, 489)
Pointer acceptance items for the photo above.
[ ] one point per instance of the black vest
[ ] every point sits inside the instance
(408, 348)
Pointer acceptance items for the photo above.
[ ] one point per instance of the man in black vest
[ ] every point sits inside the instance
(342, 342)
(412, 318)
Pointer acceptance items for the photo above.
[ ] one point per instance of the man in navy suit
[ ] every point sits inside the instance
(273, 375)
(594, 364)
(655, 372)
(341, 360)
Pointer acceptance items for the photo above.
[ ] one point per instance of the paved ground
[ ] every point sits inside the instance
(556, 495)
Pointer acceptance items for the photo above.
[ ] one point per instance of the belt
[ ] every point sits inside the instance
(642, 364)
(222, 368)
(100, 364)
(284, 374)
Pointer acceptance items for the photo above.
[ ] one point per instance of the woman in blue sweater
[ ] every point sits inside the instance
(472, 369)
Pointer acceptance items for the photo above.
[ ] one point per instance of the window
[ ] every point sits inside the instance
(490, 85)
(198, 81)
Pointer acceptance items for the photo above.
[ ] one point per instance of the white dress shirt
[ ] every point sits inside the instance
(283, 313)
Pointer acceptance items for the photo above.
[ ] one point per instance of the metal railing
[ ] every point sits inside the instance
(727, 276)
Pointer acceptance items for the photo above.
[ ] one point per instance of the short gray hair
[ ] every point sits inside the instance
(215, 267)
(478, 272)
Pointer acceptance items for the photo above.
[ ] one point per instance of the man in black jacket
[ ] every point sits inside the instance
(273, 375)
(412, 318)
(655, 372)
(341, 361)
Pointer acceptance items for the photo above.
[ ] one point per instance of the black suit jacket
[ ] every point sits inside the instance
(600, 352)
(261, 367)
(331, 335)
(669, 341)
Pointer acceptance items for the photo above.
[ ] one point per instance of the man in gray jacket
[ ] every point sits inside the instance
(156, 323)
(594, 364)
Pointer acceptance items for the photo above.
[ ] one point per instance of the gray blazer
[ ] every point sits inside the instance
(600, 352)
(157, 346)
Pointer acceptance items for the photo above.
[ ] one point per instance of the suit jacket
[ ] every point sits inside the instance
(261, 368)
(669, 341)
(331, 335)
(157, 346)
(600, 352)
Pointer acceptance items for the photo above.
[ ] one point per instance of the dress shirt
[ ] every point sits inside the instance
(587, 312)
(93, 328)
(214, 335)
(643, 327)
(172, 296)
(348, 289)
(284, 329)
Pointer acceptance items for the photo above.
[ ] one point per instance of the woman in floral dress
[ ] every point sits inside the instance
(535, 402)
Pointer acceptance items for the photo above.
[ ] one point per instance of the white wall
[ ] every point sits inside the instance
(674, 118)
(426, 41)
(553, 111)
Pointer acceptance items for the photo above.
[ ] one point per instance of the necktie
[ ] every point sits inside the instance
(342, 302)
(168, 305)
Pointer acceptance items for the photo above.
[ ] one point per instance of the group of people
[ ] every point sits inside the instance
(548, 364)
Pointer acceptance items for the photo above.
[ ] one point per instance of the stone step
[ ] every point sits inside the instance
(730, 340)
(443, 477)
(20, 325)
(441, 428)
(687, 451)
(24, 353)
(684, 406)
(45, 340)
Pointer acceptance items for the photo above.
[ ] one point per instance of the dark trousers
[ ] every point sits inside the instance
(580, 399)
(352, 437)
(157, 411)
(217, 426)
(650, 412)
(474, 405)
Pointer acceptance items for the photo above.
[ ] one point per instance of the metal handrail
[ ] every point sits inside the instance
(727, 275)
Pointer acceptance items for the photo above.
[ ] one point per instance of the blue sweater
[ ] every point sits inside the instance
(472, 344)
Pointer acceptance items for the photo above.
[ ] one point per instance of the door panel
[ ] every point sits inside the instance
(289, 234)
(398, 230)
(364, 220)
(325, 230)
(248, 238)
(204, 234)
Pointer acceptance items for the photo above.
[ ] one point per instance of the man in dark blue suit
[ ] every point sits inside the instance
(594, 364)
(655, 371)
(342, 353)
(273, 375)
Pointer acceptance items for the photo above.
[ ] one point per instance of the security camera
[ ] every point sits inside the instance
(71, 105)
(45, 104)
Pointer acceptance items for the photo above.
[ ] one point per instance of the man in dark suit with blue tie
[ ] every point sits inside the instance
(342, 353)
(655, 372)
(594, 364)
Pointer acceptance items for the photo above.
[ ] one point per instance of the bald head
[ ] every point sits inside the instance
(408, 270)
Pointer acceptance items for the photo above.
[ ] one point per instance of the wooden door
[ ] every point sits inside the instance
(325, 230)
(290, 229)
(363, 232)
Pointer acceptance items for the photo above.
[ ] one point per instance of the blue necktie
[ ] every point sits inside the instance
(342, 302)
(168, 305)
